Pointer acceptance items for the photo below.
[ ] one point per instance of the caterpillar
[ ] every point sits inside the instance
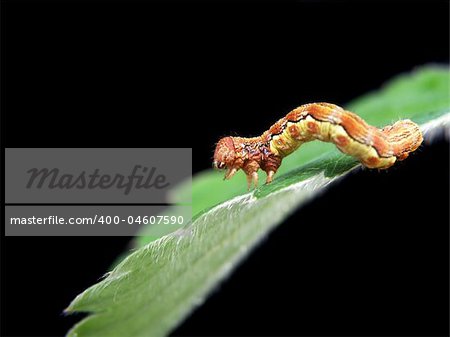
(373, 147)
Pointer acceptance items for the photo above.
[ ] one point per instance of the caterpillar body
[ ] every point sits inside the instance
(373, 147)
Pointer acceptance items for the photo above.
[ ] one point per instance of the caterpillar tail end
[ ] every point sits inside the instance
(405, 137)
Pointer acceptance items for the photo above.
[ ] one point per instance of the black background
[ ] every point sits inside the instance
(369, 258)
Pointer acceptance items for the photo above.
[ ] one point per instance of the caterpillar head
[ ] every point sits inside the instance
(225, 153)
(225, 156)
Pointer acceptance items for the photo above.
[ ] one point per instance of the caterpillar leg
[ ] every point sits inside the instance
(230, 173)
(251, 170)
(252, 178)
(270, 165)
(270, 175)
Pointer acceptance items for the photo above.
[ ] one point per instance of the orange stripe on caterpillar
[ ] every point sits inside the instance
(374, 148)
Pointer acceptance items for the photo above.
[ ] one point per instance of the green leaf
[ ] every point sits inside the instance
(153, 289)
